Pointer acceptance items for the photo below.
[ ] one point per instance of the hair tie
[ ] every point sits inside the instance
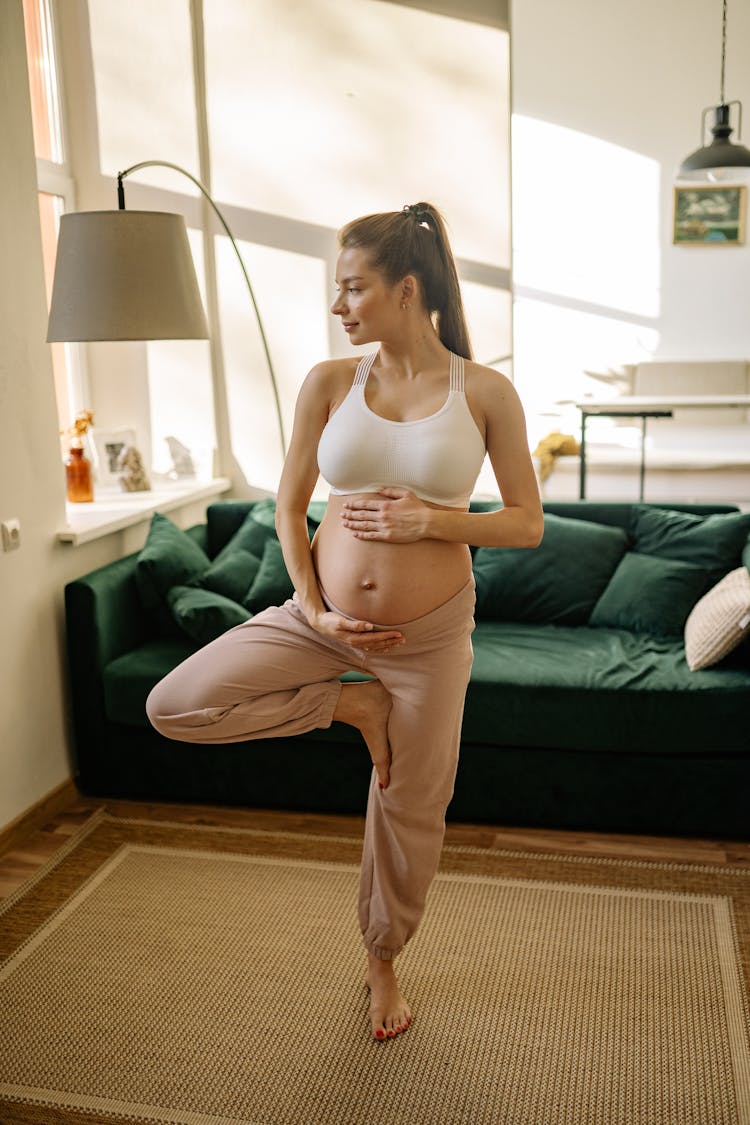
(419, 214)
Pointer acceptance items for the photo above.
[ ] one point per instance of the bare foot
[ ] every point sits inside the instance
(367, 706)
(389, 1012)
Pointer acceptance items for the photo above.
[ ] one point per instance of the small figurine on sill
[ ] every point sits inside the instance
(133, 475)
(182, 459)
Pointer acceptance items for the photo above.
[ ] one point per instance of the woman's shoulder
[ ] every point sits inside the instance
(333, 372)
(485, 382)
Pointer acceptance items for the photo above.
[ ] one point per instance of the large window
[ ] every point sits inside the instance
(297, 117)
(54, 181)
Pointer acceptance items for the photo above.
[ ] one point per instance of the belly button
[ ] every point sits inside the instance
(366, 584)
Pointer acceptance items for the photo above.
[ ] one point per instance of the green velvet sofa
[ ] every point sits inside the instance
(582, 712)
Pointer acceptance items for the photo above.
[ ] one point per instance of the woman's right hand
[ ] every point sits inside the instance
(360, 635)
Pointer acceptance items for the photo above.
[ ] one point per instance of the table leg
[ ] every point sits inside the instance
(582, 464)
(643, 455)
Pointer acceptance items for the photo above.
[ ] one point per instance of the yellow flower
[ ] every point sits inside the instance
(83, 420)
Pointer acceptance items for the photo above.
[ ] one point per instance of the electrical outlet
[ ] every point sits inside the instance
(11, 534)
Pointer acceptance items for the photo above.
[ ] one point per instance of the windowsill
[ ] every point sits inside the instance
(112, 510)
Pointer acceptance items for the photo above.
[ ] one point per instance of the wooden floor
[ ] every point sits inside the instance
(19, 863)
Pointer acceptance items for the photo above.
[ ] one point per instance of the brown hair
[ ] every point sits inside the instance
(415, 241)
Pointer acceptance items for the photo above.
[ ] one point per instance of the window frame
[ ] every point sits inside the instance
(56, 179)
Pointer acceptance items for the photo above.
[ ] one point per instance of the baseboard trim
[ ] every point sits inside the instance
(45, 809)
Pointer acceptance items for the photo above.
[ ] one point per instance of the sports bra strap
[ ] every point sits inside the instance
(363, 369)
(456, 371)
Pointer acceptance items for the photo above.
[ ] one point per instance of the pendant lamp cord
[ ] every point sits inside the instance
(723, 47)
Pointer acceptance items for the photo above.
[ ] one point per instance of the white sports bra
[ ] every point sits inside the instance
(438, 458)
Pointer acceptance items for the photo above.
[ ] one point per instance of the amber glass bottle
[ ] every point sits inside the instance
(78, 474)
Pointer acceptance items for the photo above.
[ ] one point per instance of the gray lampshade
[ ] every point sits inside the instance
(125, 275)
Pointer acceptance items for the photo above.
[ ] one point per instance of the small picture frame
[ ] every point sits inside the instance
(709, 216)
(109, 444)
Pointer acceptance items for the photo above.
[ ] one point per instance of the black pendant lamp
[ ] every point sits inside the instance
(720, 159)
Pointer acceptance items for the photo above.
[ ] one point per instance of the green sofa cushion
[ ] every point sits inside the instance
(204, 615)
(647, 594)
(272, 584)
(224, 519)
(190, 595)
(713, 542)
(128, 679)
(316, 509)
(230, 574)
(523, 674)
(562, 687)
(256, 529)
(170, 557)
(559, 581)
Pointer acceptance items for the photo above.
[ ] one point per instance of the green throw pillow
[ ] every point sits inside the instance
(712, 542)
(315, 511)
(203, 615)
(231, 574)
(257, 528)
(648, 594)
(272, 584)
(746, 555)
(557, 582)
(170, 557)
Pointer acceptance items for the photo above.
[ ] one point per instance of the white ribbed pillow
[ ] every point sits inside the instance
(719, 621)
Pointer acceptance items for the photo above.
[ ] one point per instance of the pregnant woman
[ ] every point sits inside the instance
(386, 586)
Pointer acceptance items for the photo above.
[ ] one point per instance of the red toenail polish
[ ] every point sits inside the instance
(391, 1034)
(379, 1034)
(380, 785)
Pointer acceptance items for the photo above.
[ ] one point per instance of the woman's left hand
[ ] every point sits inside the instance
(399, 517)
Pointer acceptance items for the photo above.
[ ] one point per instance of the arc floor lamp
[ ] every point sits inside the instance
(129, 275)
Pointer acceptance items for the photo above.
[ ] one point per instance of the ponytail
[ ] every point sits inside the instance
(415, 241)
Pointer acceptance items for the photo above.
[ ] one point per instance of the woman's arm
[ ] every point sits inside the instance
(298, 479)
(402, 518)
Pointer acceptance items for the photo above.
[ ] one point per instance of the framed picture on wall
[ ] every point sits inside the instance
(709, 216)
(109, 445)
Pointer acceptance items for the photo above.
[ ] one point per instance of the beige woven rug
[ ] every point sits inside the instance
(156, 972)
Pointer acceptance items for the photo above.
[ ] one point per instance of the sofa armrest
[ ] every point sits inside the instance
(104, 619)
(103, 614)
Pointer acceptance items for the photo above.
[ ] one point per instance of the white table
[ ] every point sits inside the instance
(643, 407)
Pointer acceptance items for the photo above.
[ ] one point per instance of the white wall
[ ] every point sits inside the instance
(606, 101)
(34, 729)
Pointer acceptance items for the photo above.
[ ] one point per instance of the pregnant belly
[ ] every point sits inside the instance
(385, 583)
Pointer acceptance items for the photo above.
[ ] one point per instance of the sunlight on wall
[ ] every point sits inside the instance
(585, 218)
(142, 55)
(180, 390)
(290, 290)
(555, 346)
(586, 265)
(488, 315)
(330, 109)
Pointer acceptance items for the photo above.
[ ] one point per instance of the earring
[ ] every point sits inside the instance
(404, 306)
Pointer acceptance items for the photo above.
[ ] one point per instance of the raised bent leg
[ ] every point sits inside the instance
(274, 675)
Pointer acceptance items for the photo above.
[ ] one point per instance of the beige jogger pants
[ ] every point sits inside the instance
(275, 675)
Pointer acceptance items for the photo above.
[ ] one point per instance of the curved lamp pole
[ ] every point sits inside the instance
(129, 275)
(204, 192)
